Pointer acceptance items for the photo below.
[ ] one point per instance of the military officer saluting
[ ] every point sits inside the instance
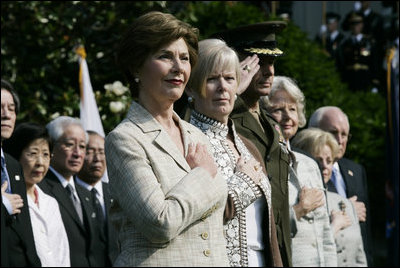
(257, 49)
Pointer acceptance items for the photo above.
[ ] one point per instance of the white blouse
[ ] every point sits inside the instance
(50, 237)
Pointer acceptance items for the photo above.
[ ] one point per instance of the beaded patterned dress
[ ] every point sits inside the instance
(241, 187)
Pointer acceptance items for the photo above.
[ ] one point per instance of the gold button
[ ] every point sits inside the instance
(207, 252)
(204, 235)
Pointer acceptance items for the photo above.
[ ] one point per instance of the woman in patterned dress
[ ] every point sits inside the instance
(249, 229)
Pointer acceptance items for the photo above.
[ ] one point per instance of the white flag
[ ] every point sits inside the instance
(90, 116)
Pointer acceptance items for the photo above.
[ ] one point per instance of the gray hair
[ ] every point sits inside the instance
(57, 127)
(317, 116)
(289, 85)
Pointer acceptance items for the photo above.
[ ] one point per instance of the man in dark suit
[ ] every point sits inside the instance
(89, 177)
(17, 244)
(357, 57)
(349, 179)
(69, 139)
(330, 35)
(255, 124)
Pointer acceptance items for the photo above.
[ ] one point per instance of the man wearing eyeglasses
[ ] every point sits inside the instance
(17, 244)
(349, 179)
(69, 150)
(89, 177)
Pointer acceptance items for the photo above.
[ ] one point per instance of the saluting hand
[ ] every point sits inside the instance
(249, 67)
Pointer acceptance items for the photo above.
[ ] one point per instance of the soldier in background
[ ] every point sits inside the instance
(330, 35)
(357, 60)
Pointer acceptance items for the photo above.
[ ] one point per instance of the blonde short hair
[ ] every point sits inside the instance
(214, 55)
(312, 140)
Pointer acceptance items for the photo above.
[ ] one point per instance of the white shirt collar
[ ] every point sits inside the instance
(62, 180)
(98, 186)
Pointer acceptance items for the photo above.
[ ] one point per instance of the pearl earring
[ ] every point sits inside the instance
(190, 99)
(136, 80)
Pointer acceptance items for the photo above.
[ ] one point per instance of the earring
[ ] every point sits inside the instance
(235, 96)
(190, 99)
(136, 80)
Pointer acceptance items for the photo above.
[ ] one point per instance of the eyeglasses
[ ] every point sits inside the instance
(69, 145)
(342, 135)
(34, 156)
(90, 153)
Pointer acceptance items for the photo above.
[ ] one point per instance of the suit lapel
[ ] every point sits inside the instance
(146, 122)
(61, 195)
(348, 177)
(86, 202)
(249, 122)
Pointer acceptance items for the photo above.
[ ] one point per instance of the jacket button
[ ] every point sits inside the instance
(268, 158)
(204, 235)
(207, 252)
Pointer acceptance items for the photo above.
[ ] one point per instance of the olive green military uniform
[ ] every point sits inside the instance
(276, 161)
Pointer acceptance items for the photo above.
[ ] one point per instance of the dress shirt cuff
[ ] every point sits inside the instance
(7, 204)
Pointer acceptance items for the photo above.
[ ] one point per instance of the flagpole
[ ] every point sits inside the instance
(89, 112)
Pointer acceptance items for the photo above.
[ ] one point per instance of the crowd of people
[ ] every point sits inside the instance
(229, 182)
(359, 44)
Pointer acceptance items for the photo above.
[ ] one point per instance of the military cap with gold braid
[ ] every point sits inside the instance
(258, 38)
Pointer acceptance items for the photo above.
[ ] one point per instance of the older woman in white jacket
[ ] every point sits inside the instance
(344, 222)
(312, 240)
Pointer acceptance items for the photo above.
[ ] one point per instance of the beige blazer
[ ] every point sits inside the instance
(349, 243)
(313, 244)
(166, 213)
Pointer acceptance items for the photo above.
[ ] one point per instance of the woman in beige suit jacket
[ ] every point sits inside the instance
(169, 197)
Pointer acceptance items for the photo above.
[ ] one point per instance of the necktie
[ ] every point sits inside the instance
(4, 175)
(96, 204)
(339, 183)
(99, 210)
(76, 203)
